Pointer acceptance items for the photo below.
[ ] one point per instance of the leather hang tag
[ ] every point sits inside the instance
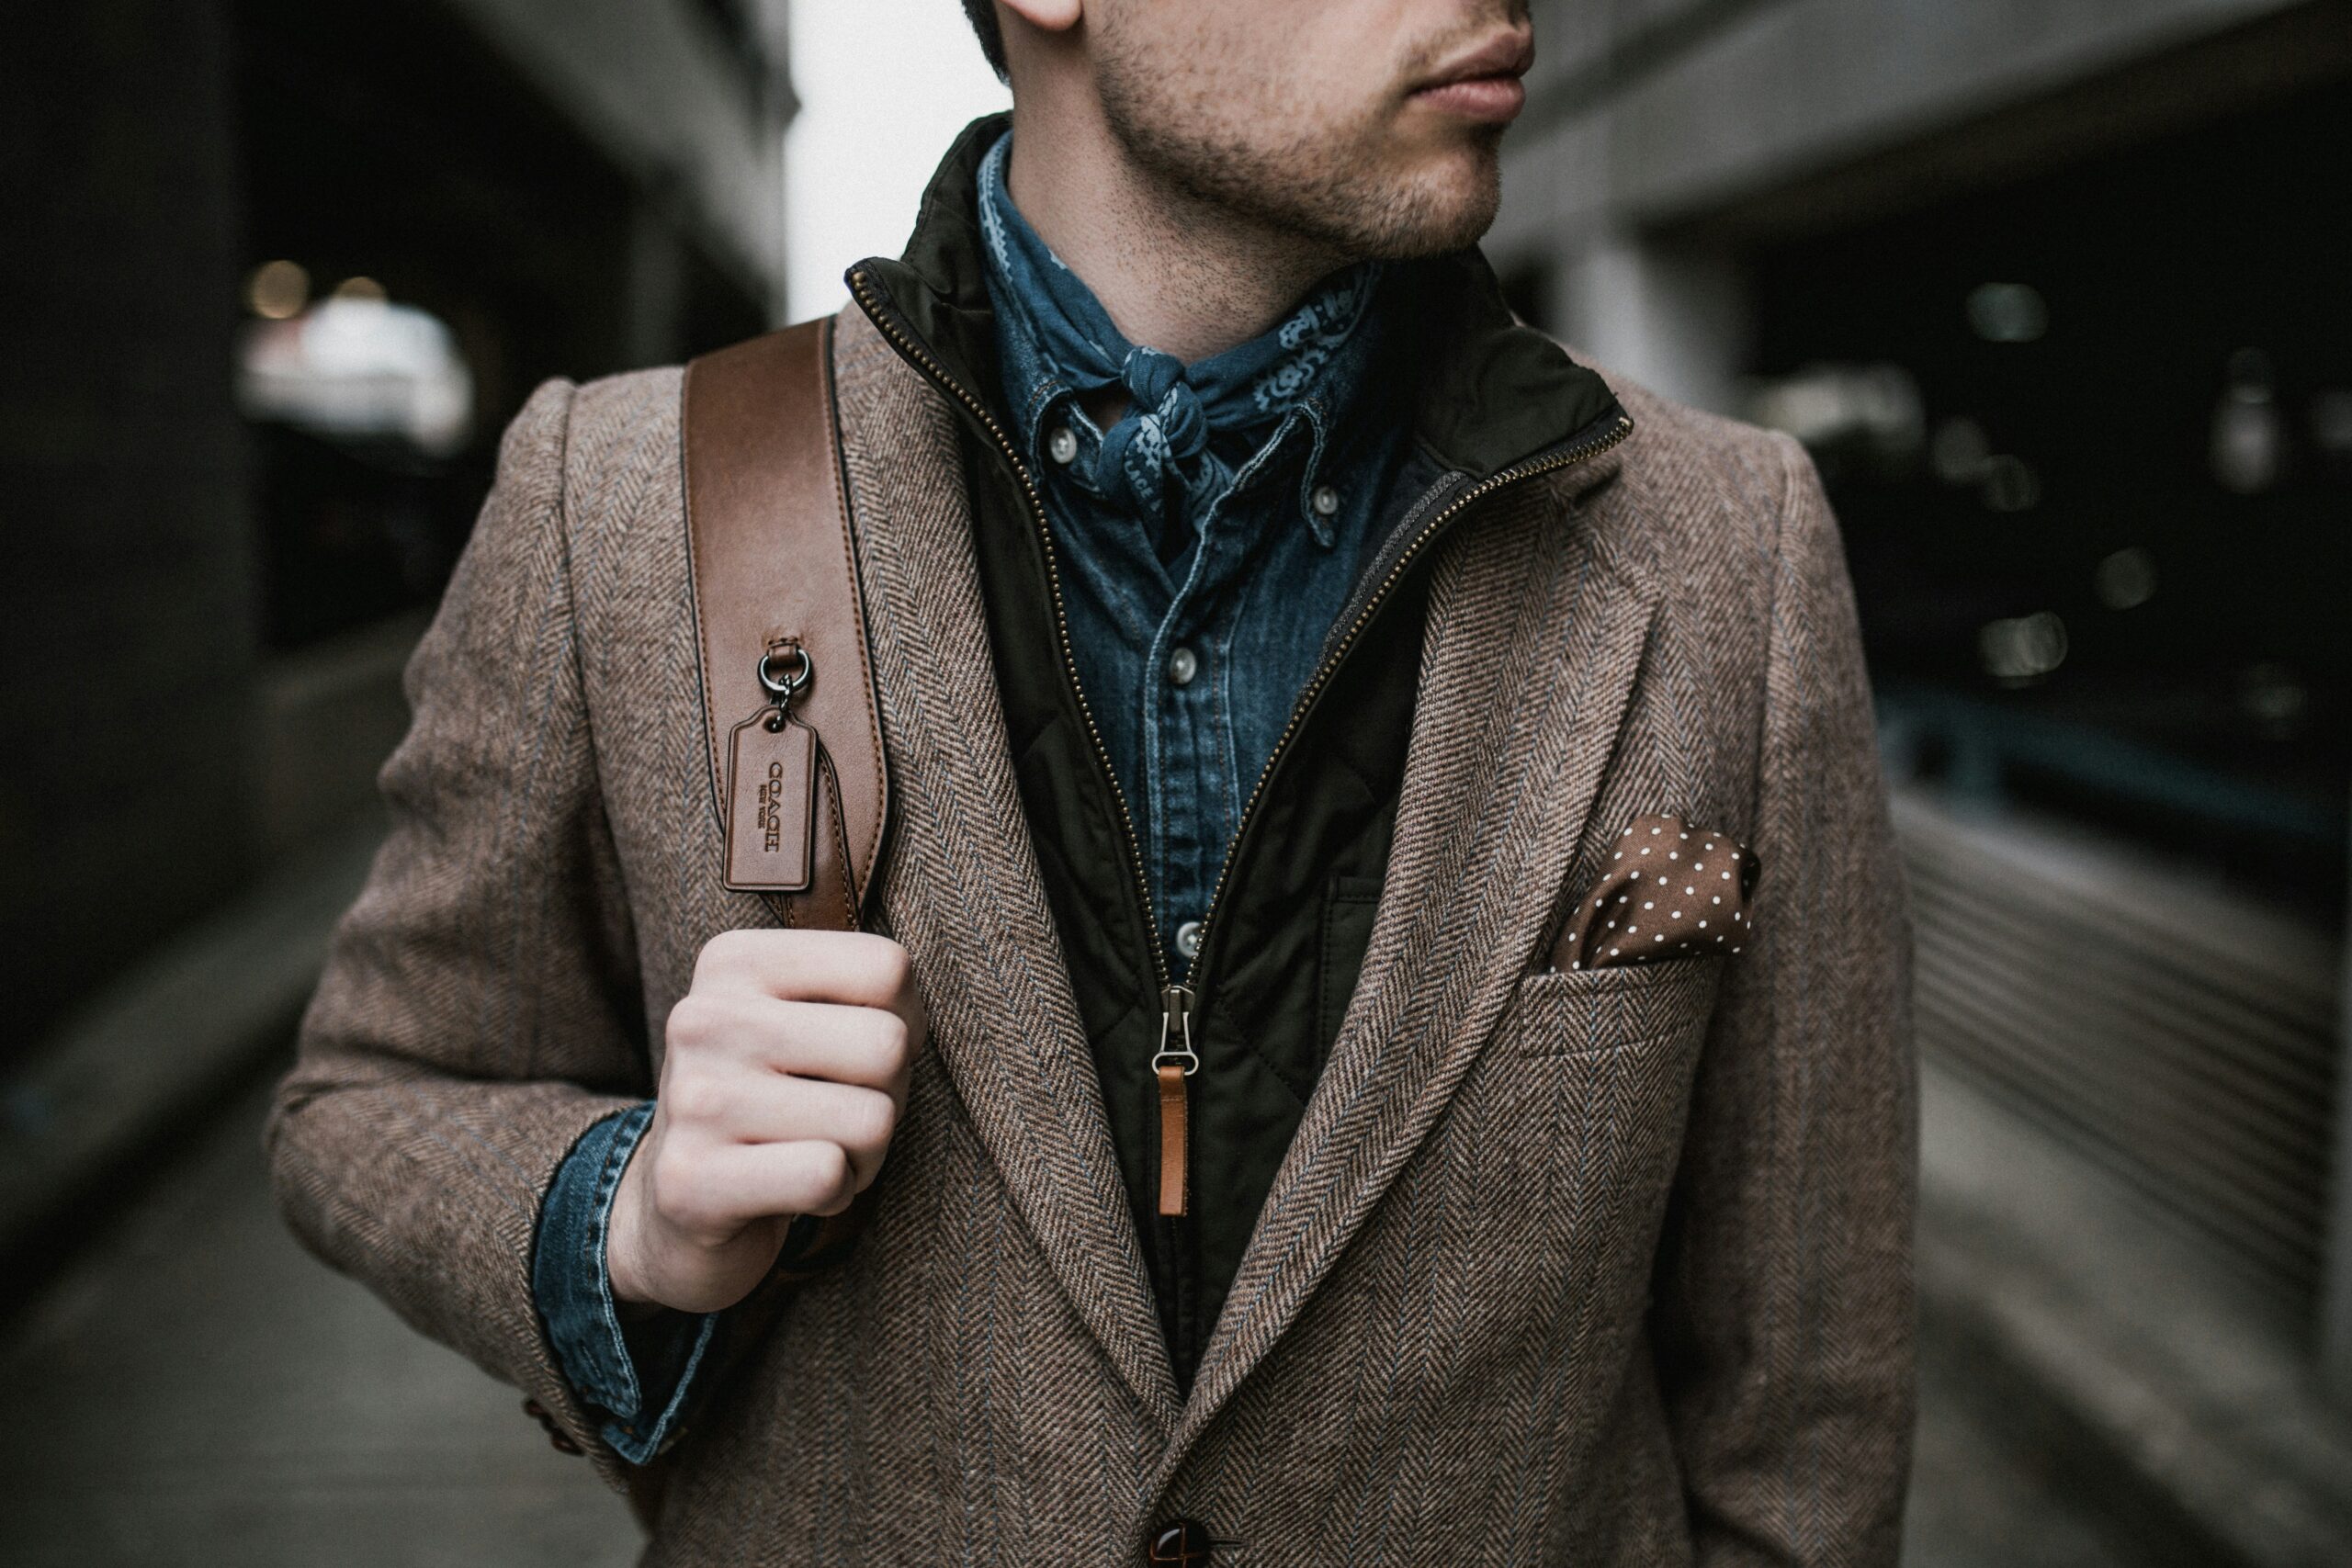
(771, 804)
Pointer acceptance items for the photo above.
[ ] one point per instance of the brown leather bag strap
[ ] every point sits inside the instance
(772, 564)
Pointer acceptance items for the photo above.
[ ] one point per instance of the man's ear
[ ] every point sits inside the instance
(1046, 15)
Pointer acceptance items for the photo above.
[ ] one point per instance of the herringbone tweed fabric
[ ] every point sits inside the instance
(1597, 1268)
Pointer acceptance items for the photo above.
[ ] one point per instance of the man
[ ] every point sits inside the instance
(1280, 653)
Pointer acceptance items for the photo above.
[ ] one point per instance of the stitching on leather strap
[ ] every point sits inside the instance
(854, 878)
(710, 719)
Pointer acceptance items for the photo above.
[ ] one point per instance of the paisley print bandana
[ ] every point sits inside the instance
(1156, 458)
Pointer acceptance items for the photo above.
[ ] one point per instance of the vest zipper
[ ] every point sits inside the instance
(881, 313)
(1171, 1065)
(1173, 1062)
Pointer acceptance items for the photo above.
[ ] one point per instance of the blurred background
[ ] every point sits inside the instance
(2055, 293)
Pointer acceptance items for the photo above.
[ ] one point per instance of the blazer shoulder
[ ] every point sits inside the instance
(620, 450)
(1713, 492)
(619, 418)
(573, 430)
(1693, 432)
(603, 453)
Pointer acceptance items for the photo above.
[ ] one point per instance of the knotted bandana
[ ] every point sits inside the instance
(1157, 458)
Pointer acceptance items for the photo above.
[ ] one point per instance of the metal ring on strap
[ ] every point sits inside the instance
(785, 684)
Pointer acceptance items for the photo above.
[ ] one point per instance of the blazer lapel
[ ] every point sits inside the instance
(961, 888)
(1535, 631)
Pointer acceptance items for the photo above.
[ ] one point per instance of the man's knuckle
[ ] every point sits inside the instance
(678, 1182)
(830, 1175)
(873, 1117)
(696, 1095)
(895, 968)
(695, 1023)
(892, 1043)
(723, 950)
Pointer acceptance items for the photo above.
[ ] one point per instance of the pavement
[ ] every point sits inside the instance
(195, 1392)
(153, 1057)
(1991, 1491)
(2170, 1392)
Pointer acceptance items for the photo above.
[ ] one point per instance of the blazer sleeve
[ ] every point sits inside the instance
(479, 1008)
(1782, 1315)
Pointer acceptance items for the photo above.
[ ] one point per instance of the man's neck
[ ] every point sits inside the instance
(1175, 272)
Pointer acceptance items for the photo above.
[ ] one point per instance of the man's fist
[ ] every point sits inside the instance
(785, 1069)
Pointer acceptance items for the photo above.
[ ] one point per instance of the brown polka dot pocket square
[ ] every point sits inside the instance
(1669, 890)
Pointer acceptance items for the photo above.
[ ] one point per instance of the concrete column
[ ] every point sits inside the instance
(1671, 316)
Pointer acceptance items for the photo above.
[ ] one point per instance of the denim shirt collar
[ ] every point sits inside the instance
(1293, 386)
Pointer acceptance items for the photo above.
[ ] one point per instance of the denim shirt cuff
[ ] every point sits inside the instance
(638, 1373)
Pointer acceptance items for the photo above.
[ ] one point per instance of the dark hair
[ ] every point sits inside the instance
(983, 15)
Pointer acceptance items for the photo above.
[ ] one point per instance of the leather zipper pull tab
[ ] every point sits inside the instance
(1173, 1062)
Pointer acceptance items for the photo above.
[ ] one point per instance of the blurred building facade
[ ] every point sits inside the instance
(2053, 294)
(282, 274)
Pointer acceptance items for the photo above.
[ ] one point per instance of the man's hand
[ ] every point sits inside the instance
(785, 1069)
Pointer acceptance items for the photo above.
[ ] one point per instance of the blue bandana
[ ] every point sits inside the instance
(1158, 456)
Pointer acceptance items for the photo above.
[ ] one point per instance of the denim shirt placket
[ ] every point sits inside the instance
(1192, 765)
(1189, 789)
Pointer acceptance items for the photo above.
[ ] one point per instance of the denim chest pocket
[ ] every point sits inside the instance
(1590, 1012)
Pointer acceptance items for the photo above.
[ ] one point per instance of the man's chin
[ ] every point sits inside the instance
(1442, 206)
(1409, 193)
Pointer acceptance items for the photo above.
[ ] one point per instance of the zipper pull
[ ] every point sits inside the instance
(1173, 1062)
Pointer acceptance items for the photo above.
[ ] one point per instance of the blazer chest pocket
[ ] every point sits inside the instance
(1587, 1013)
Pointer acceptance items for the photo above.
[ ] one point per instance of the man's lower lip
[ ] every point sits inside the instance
(1495, 98)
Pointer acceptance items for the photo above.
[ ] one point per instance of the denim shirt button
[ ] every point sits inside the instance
(1183, 665)
(1188, 940)
(1061, 445)
(1326, 501)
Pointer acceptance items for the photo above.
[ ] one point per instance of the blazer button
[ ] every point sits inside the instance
(1184, 1541)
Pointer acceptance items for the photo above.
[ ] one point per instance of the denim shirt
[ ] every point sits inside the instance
(1191, 654)
(1192, 659)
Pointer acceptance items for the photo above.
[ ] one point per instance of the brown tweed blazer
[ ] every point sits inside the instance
(1600, 1268)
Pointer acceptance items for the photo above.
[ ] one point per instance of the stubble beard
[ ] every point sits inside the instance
(1317, 184)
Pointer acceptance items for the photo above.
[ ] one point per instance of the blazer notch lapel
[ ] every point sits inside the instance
(961, 888)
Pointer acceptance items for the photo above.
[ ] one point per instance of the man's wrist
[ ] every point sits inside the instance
(629, 1295)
